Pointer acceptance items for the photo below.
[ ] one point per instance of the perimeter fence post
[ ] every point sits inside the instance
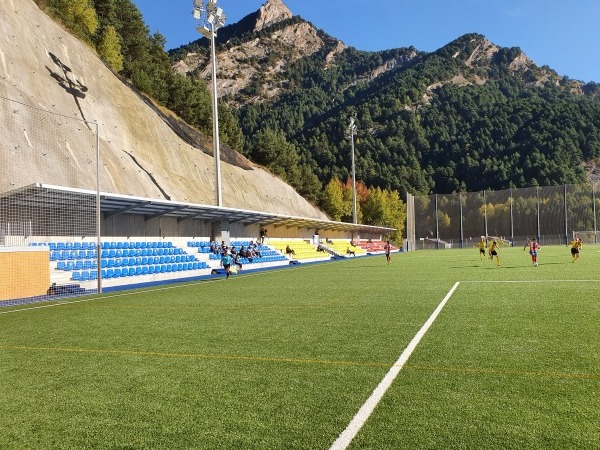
(566, 216)
(537, 194)
(594, 209)
(461, 219)
(512, 224)
(437, 225)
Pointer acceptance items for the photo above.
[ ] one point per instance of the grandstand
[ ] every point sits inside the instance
(374, 246)
(304, 250)
(345, 248)
(50, 231)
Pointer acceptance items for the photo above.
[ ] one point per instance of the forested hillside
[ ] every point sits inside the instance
(440, 122)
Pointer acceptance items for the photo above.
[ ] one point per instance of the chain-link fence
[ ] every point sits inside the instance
(43, 236)
(552, 214)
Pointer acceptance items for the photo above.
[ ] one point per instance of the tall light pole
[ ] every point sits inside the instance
(209, 19)
(352, 131)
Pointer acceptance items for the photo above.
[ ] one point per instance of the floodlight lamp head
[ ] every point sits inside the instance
(197, 13)
(203, 29)
(211, 6)
(221, 20)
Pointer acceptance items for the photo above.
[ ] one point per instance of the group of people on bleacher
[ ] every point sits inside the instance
(231, 255)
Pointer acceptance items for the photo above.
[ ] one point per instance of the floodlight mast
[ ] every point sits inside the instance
(215, 18)
(352, 130)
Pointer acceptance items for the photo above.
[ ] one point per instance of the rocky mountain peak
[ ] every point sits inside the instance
(271, 12)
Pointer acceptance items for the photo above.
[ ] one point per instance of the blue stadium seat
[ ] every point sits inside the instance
(145, 270)
(150, 269)
(76, 276)
(61, 265)
(85, 275)
(116, 273)
(138, 270)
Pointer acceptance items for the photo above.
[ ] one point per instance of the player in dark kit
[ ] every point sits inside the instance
(576, 246)
(481, 246)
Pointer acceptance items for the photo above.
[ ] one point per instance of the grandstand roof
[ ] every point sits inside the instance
(40, 195)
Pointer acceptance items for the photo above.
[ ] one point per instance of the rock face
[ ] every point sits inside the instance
(44, 66)
(272, 12)
(260, 58)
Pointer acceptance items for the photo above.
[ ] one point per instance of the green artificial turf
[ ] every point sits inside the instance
(285, 359)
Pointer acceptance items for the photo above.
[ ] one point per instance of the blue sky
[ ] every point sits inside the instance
(564, 35)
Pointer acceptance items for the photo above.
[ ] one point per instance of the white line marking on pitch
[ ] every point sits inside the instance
(344, 440)
(140, 291)
(529, 281)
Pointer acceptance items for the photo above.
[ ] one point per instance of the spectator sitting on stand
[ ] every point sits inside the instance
(250, 253)
(350, 252)
(289, 251)
(235, 258)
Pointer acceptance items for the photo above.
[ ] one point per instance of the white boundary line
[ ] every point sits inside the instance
(530, 281)
(136, 291)
(344, 440)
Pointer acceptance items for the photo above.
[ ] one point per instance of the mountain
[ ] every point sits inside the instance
(145, 149)
(469, 116)
(254, 51)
